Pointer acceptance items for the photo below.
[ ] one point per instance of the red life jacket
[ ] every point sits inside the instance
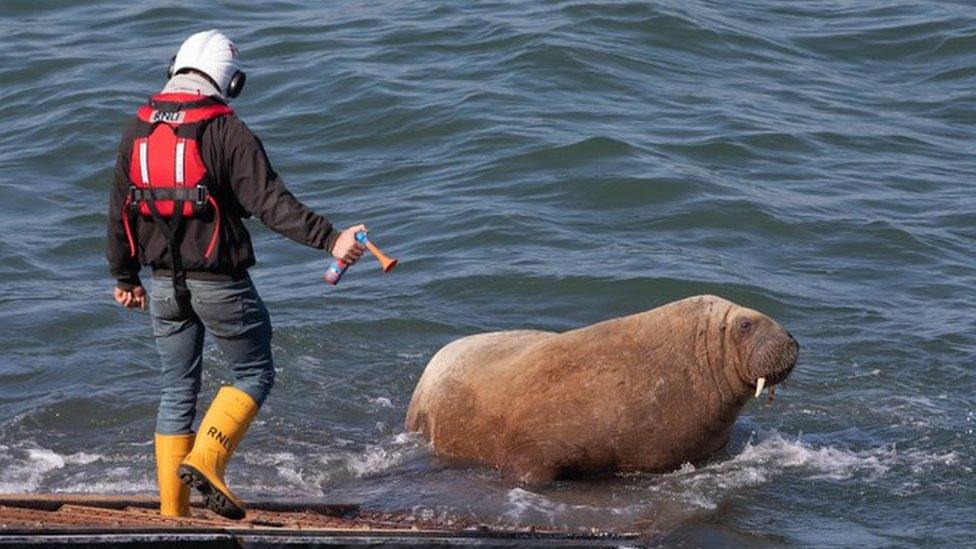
(165, 166)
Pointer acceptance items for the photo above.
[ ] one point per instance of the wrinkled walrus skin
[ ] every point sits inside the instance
(645, 392)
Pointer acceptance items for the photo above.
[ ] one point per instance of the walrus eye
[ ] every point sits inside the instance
(745, 326)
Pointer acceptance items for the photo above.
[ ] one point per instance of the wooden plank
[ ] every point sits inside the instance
(53, 502)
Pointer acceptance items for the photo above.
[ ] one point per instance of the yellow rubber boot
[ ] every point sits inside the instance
(220, 432)
(174, 496)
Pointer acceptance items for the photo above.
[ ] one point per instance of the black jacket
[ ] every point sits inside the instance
(246, 185)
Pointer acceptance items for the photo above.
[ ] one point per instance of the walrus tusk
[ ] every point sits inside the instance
(772, 393)
(760, 383)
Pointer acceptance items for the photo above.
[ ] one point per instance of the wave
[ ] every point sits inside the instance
(28, 468)
(33, 468)
(764, 461)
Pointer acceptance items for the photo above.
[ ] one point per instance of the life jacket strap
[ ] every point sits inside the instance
(160, 103)
(173, 231)
(198, 195)
(126, 213)
(172, 102)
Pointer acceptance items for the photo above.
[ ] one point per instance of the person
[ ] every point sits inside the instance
(188, 171)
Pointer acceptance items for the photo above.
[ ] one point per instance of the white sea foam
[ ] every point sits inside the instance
(774, 454)
(525, 506)
(269, 458)
(45, 459)
(82, 458)
(297, 472)
(308, 474)
(114, 480)
(761, 461)
(383, 457)
(28, 468)
(407, 438)
(144, 486)
(24, 469)
(523, 501)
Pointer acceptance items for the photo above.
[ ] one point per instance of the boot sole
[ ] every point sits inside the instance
(214, 499)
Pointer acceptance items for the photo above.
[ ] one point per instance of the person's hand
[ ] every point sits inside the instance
(346, 248)
(131, 299)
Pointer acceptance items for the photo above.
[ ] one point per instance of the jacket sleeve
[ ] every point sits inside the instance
(263, 193)
(122, 265)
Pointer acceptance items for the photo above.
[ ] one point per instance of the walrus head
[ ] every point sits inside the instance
(767, 352)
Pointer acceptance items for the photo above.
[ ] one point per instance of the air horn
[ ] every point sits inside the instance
(338, 267)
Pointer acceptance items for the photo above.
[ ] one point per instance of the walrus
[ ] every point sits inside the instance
(645, 392)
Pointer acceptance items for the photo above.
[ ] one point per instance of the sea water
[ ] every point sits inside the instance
(533, 165)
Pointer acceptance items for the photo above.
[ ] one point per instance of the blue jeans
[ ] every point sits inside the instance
(235, 316)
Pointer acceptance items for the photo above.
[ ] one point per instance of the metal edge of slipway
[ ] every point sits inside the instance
(261, 539)
(268, 540)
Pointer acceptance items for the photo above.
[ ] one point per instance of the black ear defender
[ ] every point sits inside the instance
(236, 84)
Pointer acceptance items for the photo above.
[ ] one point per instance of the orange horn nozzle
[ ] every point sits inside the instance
(386, 261)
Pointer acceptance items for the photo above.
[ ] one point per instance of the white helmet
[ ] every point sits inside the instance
(213, 54)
